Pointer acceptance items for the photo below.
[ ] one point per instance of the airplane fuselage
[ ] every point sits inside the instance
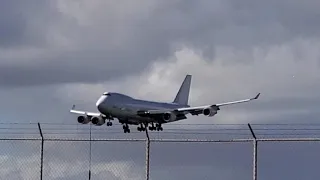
(125, 108)
(129, 110)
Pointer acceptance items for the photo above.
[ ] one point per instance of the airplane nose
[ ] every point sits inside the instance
(100, 101)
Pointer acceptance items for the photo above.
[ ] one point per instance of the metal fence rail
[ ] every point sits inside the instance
(148, 140)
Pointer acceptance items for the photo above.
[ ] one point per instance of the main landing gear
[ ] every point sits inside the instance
(126, 128)
(157, 128)
(141, 128)
(151, 128)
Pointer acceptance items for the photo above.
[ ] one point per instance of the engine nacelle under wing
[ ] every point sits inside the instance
(98, 121)
(83, 119)
(210, 111)
(169, 116)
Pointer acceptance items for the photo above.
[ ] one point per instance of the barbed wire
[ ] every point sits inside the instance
(189, 132)
(172, 124)
(178, 129)
(285, 129)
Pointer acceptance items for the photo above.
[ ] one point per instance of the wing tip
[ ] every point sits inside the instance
(73, 106)
(257, 96)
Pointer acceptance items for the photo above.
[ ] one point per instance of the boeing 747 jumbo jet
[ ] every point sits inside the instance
(131, 111)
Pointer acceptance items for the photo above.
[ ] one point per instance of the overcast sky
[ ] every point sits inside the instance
(57, 53)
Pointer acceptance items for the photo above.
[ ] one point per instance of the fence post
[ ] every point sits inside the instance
(42, 143)
(255, 153)
(147, 153)
(90, 154)
(255, 159)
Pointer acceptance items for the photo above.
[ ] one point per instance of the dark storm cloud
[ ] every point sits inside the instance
(206, 24)
(113, 46)
(84, 66)
(25, 23)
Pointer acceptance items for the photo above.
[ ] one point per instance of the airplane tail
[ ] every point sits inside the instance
(182, 96)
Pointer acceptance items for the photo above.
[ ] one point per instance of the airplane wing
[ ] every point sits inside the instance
(194, 110)
(91, 114)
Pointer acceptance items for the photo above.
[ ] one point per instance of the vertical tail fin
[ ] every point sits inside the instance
(182, 96)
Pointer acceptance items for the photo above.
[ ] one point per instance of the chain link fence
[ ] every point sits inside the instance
(54, 156)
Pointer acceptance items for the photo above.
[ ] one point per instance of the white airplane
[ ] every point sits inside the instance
(131, 111)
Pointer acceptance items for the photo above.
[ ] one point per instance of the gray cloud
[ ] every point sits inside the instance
(83, 46)
(25, 24)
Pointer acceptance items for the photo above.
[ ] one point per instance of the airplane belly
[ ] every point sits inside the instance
(125, 112)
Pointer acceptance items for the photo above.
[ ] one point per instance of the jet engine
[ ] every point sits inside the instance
(98, 121)
(210, 111)
(83, 119)
(169, 116)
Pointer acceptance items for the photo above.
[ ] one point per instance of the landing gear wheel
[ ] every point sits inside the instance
(141, 128)
(109, 123)
(159, 129)
(152, 127)
(126, 128)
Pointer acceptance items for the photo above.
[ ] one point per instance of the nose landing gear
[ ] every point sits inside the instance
(109, 123)
(109, 118)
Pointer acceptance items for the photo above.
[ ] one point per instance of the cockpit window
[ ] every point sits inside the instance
(107, 94)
